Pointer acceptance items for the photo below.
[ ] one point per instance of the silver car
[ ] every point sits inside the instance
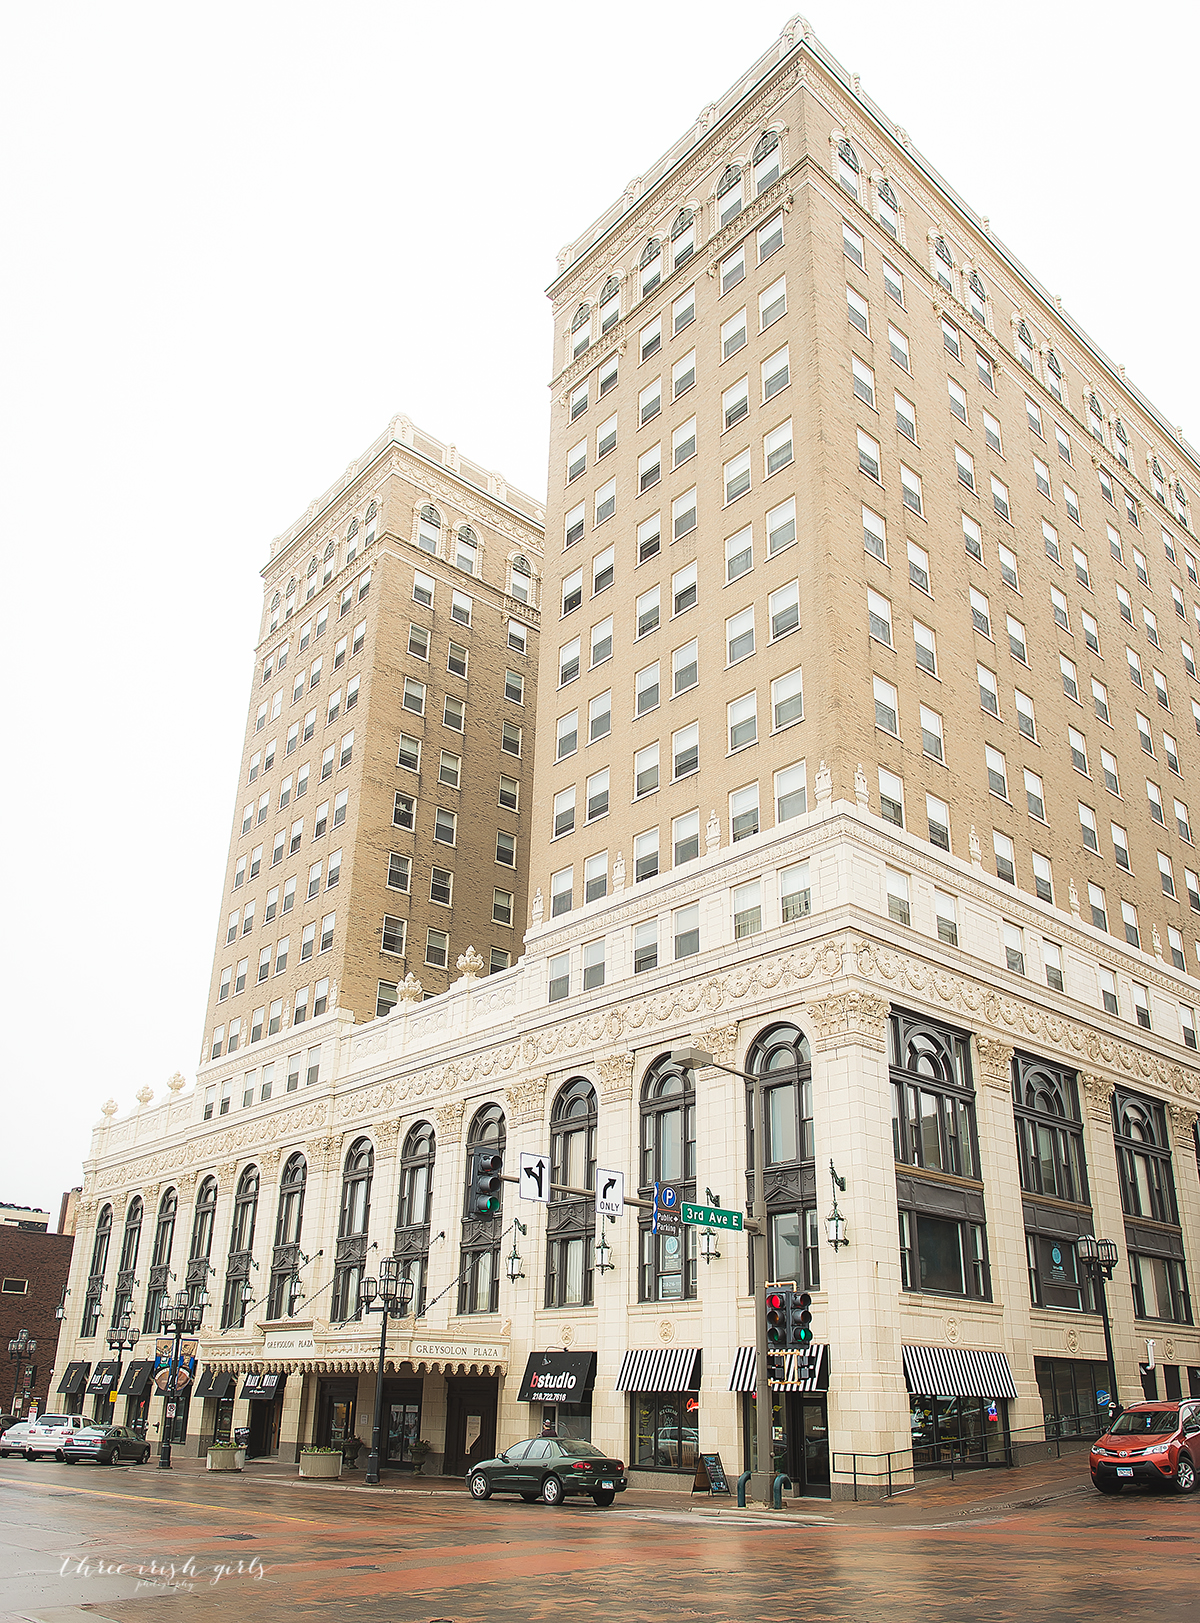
(14, 1439)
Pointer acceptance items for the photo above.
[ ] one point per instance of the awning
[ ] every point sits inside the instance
(743, 1377)
(557, 1376)
(659, 1369)
(103, 1378)
(137, 1377)
(74, 1379)
(215, 1383)
(263, 1386)
(957, 1372)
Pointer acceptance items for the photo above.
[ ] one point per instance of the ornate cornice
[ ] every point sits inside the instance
(449, 1122)
(995, 1063)
(720, 1041)
(850, 1017)
(616, 1076)
(527, 1100)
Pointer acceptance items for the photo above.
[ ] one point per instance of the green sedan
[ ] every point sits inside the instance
(549, 1469)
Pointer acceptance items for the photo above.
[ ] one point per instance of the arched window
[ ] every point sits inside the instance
(238, 1292)
(889, 210)
(610, 304)
(887, 195)
(581, 330)
(1158, 1275)
(976, 284)
(95, 1284)
(275, 601)
(781, 1056)
(353, 530)
(571, 1222)
(289, 1220)
(202, 1222)
(729, 194)
(610, 290)
(668, 1155)
(847, 169)
(164, 1241)
(521, 579)
(245, 1211)
(429, 528)
(1049, 1135)
(350, 1261)
(329, 551)
(944, 254)
(683, 238)
(1094, 406)
(415, 1206)
(581, 317)
(312, 567)
(479, 1274)
(130, 1244)
(765, 160)
(372, 509)
(467, 554)
(650, 266)
(1053, 363)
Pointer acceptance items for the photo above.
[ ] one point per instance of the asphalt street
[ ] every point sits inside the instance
(137, 1545)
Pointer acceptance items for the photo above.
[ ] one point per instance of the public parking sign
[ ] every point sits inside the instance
(666, 1209)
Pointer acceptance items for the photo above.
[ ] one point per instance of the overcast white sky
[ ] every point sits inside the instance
(239, 238)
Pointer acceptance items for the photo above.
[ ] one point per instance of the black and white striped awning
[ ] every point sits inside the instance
(957, 1372)
(659, 1369)
(743, 1377)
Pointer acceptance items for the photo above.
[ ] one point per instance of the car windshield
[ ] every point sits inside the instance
(1140, 1422)
(580, 1451)
(53, 1420)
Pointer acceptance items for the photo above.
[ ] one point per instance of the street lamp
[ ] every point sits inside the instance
(120, 1337)
(512, 1263)
(21, 1347)
(393, 1295)
(708, 1245)
(835, 1223)
(760, 1481)
(603, 1255)
(179, 1318)
(1099, 1257)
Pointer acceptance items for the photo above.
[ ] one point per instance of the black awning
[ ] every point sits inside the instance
(137, 1377)
(557, 1377)
(215, 1383)
(74, 1379)
(103, 1378)
(264, 1386)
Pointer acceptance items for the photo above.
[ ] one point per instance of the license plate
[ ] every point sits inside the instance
(609, 1484)
(1124, 1470)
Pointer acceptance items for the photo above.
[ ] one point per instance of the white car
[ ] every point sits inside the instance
(49, 1432)
(14, 1438)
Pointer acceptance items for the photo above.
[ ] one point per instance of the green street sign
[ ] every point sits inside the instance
(710, 1217)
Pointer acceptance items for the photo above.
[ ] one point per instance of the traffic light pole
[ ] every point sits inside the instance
(760, 1480)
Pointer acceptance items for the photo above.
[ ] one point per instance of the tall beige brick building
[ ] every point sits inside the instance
(868, 734)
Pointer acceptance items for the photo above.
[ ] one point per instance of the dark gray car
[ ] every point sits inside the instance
(550, 1469)
(106, 1445)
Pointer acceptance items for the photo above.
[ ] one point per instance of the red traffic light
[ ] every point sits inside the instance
(777, 1303)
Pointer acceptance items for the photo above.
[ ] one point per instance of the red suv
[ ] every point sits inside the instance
(1149, 1442)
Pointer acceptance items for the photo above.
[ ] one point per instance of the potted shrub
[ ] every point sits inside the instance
(224, 1456)
(420, 1452)
(321, 1462)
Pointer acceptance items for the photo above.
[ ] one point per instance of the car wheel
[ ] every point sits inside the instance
(145, 1456)
(1107, 1487)
(30, 1455)
(1185, 1475)
(605, 1496)
(3, 1453)
(59, 1455)
(71, 1460)
(478, 1486)
(552, 1491)
(530, 1498)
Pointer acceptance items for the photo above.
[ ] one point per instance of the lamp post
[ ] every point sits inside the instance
(393, 1295)
(119, 1337)
(760, 1480)
(21, 1347)
(1099, 1257)
(181, 1317)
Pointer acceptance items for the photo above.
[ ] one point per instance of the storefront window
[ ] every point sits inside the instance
(966, 1431)
(666, 1432)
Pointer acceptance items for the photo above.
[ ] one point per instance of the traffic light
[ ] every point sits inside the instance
(485, 1183)
(800, 1321)
(777, 1311)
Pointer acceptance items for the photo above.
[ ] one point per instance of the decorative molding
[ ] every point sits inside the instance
(850, 1017)
(449, 1122)
(1184, 1121)
(720, 1041)
(1097, 1093)
(995, 1061)
(616, 1076)
(387, 1138)
(527, 1100)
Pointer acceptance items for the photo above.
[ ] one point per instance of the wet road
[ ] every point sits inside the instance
(138, 1546)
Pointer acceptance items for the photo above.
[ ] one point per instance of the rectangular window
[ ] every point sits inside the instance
(795, 895)
(937, 813)
(1100, 699)
(864, 381)
(868, 456)
(685, 667)
(897, 897)
(564, 811)
(645, 946)
(562, 892)
(932, 741)
(791, 793)
(997, 772)
(606, 501)
(743, 812)
(879, 618)
(775, 373)
(506, 849)
(650, 338)
(606, 438)
(906, 417)
(733, 335)
(683, 375)
(1016, 639)
(910, 490)
(437, 948)
(777, 448)
(1002, 849)
(739, 555)
(886, 707)
(685, 751)
(595, 877)
(1120, 841)
(683, 515)
(559, 969)
(1014, 949)
(898, 347)
(743, 721)
(858, 312)
(593, 965)
(950, 339)
(685, 923)
(685, 837)
(736, 477)
(733, 270)
(893, 283)
(568, 662)
(645, 855)
(891, 798)
(746, 906)
(645, 770)
(646, 688)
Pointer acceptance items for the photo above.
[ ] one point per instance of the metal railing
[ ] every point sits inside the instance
(1062, 1434)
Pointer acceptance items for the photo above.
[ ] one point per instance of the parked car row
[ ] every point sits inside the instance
(71, 1438)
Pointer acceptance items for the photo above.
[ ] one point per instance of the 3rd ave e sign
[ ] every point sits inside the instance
(712, 1217)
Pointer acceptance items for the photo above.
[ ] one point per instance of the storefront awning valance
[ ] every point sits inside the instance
(659, 1369)
(263, 1387)
(74, 1379)
(557, 1377)
(102, 1378)
(215, 1383)
(137, 1377)
(957, 1372)
(743, 1377)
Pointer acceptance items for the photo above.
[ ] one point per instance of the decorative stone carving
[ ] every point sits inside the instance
(1169, 1349)
(1158, 952)
(387, 1135)
(1098, 1092)
(226, 1171)
(712, 831)
(321, 1154)
(410, 989)
(176, 1084)
(1074, 895)
(618, 874)
(861, 793)
(976, 849)
(449, 1122)
(566, 1335)
(952, 1328)
(526, 1100)
(1184, 1120)
(109, 1107)
(850, 1017)
(469, 965)
(823, 785)
(666, 1330)
(269, 1158)
(1071, 1340)
(144, 1095)
(616, 1076)
(995, 1061)
(720, 1041)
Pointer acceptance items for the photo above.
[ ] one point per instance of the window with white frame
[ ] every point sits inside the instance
(886, 707)
(791, 792)
(891, 798)
(787, 699)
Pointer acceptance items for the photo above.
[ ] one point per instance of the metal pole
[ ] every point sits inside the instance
(760, 1481)
(1108, 1346)
(164, 1450)
(372, 1476)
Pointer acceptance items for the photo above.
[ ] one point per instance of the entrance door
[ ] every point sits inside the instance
(808, 1440)
(262, 1417)
(335, 1413)
(470, 1424)
(401, 1420)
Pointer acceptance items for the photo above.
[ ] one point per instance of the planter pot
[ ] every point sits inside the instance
(327, 1465)
(226, 1459)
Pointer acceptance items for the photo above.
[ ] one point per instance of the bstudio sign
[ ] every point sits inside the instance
(557, 1377)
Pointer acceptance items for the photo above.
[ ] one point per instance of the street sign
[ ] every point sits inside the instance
(711, 1217)
(666, 1209)
(533, 1181)
(610, 1192)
